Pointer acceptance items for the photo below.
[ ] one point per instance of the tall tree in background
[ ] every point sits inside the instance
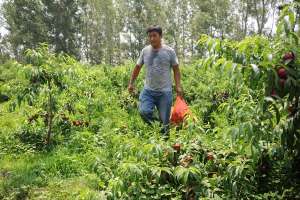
(4, 51)
(212, 17)
(26, 24)
(31, 22)
(63, 20)
(111, 31)
(138, 15)
(101, 29)
(241, 27)
(246, 12)
(260, 11)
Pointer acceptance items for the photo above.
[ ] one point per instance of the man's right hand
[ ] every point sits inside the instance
(131, 88)
(134, 75)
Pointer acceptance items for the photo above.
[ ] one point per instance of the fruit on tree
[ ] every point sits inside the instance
(289, 56)
(77, 123)
(210, 156)
(273, 92)
(282, 73)
(177, 146)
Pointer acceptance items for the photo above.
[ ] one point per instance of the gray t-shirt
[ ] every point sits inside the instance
(158, 67)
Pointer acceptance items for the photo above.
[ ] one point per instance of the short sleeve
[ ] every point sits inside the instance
(174, 59)
(140, 60)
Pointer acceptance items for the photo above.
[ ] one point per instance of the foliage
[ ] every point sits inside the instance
(242, 144)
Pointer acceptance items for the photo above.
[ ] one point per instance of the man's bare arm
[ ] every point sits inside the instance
(177, 78)
(133, 77)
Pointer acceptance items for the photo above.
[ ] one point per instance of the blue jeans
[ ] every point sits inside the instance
(161, 100)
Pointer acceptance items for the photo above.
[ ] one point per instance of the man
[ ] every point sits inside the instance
(159, 59)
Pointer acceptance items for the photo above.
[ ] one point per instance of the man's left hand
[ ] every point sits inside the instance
(179, 91)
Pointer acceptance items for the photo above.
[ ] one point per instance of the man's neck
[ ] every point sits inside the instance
(156, 48)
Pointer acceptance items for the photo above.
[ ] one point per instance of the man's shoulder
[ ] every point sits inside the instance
(166, 47)
(146, 48)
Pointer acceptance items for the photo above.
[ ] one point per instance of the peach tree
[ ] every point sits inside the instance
(45, 73)
(270, 69)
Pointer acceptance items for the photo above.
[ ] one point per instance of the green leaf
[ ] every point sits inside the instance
(182, 174)
(255, 68)
(295, 37)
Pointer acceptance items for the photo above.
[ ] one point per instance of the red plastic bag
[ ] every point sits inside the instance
(179, 111)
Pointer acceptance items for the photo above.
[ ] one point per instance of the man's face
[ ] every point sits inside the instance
(154, 38)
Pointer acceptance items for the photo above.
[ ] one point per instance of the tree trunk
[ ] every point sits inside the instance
(260, 20)
(50, 115)
(246, 18)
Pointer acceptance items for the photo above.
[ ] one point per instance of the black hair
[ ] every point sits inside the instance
(155, 28)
